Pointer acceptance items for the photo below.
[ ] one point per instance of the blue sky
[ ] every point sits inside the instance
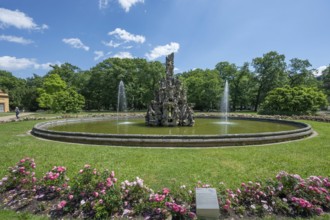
(37, 33)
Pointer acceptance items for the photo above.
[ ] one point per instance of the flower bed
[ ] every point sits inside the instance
(97, 194)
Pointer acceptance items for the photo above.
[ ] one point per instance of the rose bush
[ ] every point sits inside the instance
(95, 194)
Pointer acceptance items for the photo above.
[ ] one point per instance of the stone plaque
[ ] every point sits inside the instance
(207, 205)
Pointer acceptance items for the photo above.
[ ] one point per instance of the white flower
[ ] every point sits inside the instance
(253, 207)
(82, 202)
(183, 187)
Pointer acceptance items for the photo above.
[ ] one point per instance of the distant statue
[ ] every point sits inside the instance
(170, 107)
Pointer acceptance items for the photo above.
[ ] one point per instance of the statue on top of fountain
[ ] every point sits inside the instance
(170, 107)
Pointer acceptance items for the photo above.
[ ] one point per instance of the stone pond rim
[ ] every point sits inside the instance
(41, 130)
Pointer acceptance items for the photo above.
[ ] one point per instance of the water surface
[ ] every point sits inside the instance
(209, 126)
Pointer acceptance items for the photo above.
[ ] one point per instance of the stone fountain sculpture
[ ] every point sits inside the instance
(170, 107)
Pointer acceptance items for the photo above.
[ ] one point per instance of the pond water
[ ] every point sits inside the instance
(203, 126)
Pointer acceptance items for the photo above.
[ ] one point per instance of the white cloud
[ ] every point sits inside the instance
(318, 71)
(103, 4)
(18, 19)
(98, 54)
(127, 4)
(111, 44)
(75, 43)
(126, 36)
(12, 63)
(14, 39)
(159, 51)
(122, 55)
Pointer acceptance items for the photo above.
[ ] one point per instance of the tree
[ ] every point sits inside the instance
(325, 79)
(140, 77)
(203, 88)
(15, 87)
(293, 101)
(58, 97)
(299, 74)
(269, 74)
(238, 78)
(30, 97)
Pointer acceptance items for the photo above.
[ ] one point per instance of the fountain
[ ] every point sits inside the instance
(224, 107)
(169, 123)
(122, 103)
(170, 107)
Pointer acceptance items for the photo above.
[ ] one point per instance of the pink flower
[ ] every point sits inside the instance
(112, 175)
(34, 179)
(166, 191)
(101, 201)
(61, 204)
(81, 171)
(61, 169)
(70, 197)
(319, 211)
(226, 207)
(96, 194)
(175, 208)
(87, 166)
(192, 215)
(33, 165)
(183, 210)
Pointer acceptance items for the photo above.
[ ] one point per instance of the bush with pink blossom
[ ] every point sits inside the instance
(21, 176)
(53, 184)
(95, 194)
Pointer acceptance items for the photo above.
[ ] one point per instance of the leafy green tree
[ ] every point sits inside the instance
(203, 88)
(58, 97)
(239, 79)
(293, 101)
(140, 77)
(325, 80)
(270, 73)
(29, 101)
(15, 87)
(299, 74)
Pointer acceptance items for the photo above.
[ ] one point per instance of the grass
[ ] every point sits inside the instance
(161, 167)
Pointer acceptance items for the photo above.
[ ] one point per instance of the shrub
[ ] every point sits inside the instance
(94, 194)
(293, 101)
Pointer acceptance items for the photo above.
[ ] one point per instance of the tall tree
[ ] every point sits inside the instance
(299, 73)
(269, 74)
(139, 76)
(325, 78)
(15, 87)
(237, 78)
(203, 88)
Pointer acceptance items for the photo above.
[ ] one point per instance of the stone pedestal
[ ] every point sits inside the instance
(207, 205)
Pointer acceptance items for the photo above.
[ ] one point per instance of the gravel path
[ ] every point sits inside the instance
(13, 116)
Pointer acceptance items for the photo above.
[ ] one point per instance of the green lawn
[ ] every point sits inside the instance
(161, 167)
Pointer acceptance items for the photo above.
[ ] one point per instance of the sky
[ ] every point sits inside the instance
(35, 34)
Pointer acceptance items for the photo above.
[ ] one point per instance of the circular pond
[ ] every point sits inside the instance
(207, 132)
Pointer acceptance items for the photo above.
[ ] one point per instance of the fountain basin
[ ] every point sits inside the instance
(43, 130)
